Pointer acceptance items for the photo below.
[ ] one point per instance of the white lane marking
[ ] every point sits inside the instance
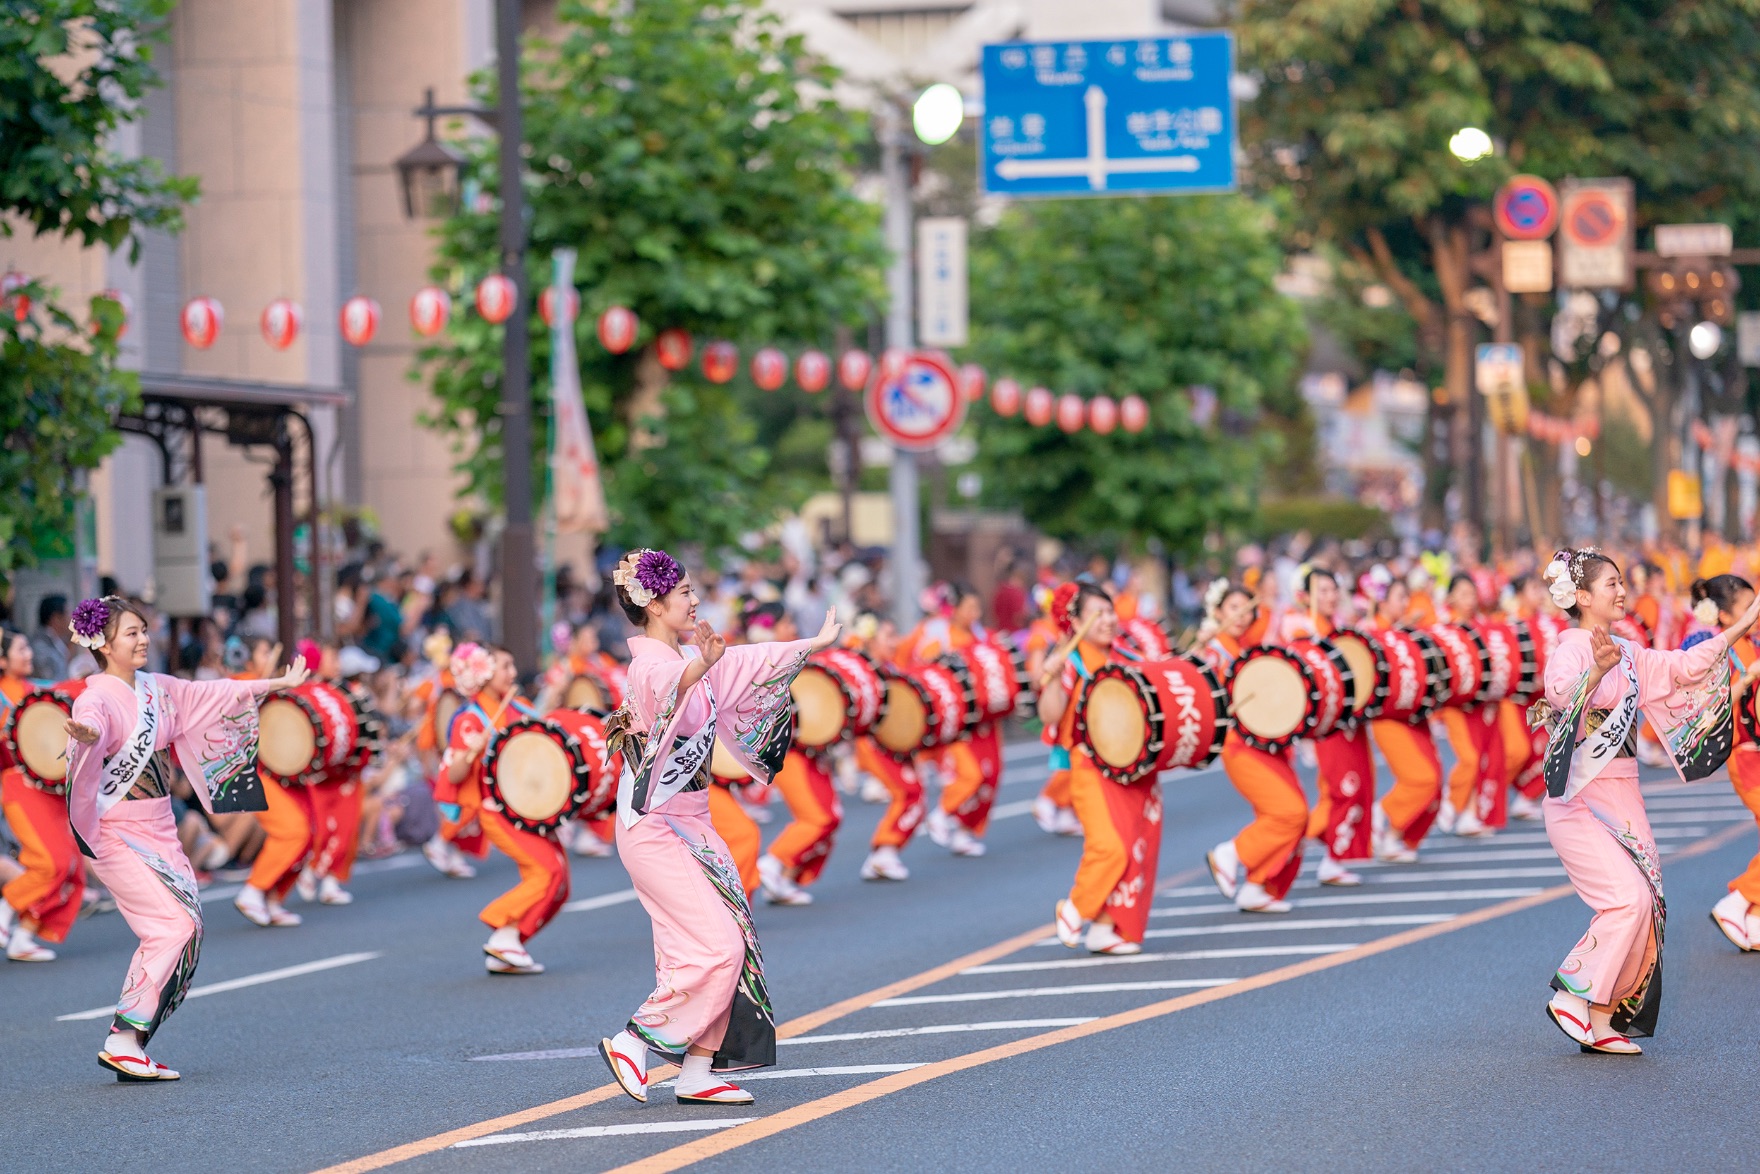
(220, 892)
(609, 899)
(792, 1073)
(1409, 878)
(606, 1131)
(1010, 810)
(1098, 988)
(1694, 801)
(548, 1054)
(1356, 899)
(1708, 816)
(408, 859)
(1173, 956)
(936, 1029)
(233, 984)
(1271, 925)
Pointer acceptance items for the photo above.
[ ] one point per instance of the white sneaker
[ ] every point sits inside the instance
(1045, 815)
(1333, 872)
(1522, 807)
(1729, 915)
(874, 791)
(22, 946)
(627, 1057)
(1254, 899)
(307, 885)
(883, 864)
(1469, 825)
(1069, 924)
(964, 843)
(940, 826)
(1225, 869)
(1103, 939)
(587, 843)
(777, 888)
(331, 892)
(254, 905)
(1068, 823)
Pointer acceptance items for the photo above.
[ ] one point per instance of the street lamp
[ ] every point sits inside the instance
(937, 113)
(430, 174)
(1469, 144)
(1705, 339)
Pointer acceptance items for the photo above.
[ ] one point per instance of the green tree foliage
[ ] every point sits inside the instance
(1143, 296)
(693, 157)
(71, 73)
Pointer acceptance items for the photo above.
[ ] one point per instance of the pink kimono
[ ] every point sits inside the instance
(1595, 813)
(119, 803)
(709, 985)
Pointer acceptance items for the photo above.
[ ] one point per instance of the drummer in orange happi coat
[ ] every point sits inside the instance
(974, 761)
(488, 677)
(337, 800)
(1270, 848)
(1472, 735)
(732, 823)
(286, 824)
(1401, 818)
(43, 901)
(898, 774)
(1523, 752)
(1738, 913)
(1346, 786)
(585, 657)
(448, 848)
(1121, 822)
(1052, 810)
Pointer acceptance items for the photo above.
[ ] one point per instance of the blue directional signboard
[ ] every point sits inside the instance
(1093, 118)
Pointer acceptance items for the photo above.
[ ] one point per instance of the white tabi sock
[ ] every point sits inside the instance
(505, 938)
(694, 1075)
(125, 1043)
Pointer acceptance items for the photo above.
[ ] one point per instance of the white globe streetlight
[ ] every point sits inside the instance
(1705, 339)
(937, 113)
(1469, 144)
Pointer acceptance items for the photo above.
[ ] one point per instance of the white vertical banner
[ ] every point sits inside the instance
(577, 495)
(941, 281)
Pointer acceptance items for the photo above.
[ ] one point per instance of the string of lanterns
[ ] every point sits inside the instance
(1557, 430)
(430, 310)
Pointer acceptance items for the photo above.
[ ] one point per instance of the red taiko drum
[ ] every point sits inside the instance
(1542, 633)
(35, 735)
(1409, 695)
(838, 695)
(535, 774)
(1633, 628)
(992, 678)
(305, 732)
(1145, 639)
(587, 691)
(1137, 720)
(1371, 674)
(1278, 695)
(370, 743)
(1463, 651)
(602, 767)
(1503, 660)
(925, 708)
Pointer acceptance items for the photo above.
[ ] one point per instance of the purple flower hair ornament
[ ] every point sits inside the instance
(89, 620)
(647, 575)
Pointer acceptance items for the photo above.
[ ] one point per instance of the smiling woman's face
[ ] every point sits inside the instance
(128, 644)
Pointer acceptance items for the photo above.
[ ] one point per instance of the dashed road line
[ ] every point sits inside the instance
(1165, 956)
(934, 1029)
(605, 1131)
(1098, 988)
(1304, 901)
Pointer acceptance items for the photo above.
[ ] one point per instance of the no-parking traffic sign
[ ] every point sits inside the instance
(1595, 234)
(1525, 208)
(919, 406)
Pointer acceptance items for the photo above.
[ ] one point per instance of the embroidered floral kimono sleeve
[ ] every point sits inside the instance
(214, 729)
(751, 686)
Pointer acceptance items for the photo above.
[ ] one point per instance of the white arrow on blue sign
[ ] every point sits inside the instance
(1109, 117)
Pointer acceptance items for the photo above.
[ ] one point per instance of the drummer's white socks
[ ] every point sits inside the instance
(694, 1075)
(505, 938)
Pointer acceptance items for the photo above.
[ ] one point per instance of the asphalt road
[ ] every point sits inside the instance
(1397, 1026)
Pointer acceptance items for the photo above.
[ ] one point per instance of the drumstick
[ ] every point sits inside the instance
(1067, 647)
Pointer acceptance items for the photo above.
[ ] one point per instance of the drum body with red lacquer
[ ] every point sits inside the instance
(1633, 628)
(925, 708)
(1410, 697)
(1463, 651)
(35, 735)
(603, 768)
(536, 774)
(1503, 660)
(305, 732)
(1371, 673)
(588, 691)
(370, 742)
(992, 678)
(1145, 639)
(1540, 635)
(1137, 720)
(1280, 695)
(838, 695)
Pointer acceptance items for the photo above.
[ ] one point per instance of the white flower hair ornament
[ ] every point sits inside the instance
(1705, 611)
(646, 575)
(1559, 583)
(1214, 595)
(625, 577)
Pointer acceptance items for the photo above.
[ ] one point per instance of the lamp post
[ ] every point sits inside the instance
(432, 170)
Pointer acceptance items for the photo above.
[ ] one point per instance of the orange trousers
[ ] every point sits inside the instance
(543, 877)
(1271, 846)
(48, 893)
(805, 844)
(1340, 819)
(287, 828)
(459, 824)
(899, 777)
(1518, 743)
(1056, 788)
(1744, 772)
(1121, 847)
(737, 829)
(1413, 801)
(977, 771)
(336, 827)
(1476, 782)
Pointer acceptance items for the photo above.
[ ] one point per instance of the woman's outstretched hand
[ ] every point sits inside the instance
(829, 631)
(710, 643)
(80, 732)
(1605, 651)
(295, 674)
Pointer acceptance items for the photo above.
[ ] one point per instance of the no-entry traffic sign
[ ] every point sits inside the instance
(917, 408)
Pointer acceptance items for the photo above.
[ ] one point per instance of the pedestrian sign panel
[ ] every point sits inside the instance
(1123, 117)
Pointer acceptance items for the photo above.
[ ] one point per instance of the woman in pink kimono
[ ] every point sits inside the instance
(123, 729)
(710, 1009)
(1599, 687)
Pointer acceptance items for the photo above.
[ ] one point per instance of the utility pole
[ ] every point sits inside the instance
(519, 560)
(907, 542)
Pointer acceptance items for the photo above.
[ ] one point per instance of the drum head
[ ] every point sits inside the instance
(534, 775)
(723, 765)
(286, 743)
(583, 692)
(1118, 726)
(1269, 697)
(41, 732)
(821, 708)
(901, 730)
(1356, 654)
(445, 709)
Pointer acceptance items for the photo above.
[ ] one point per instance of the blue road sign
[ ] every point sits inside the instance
(1086, 118)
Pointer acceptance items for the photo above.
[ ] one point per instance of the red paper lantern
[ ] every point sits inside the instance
(853, 369)
(202, 319)
(812, 371)
(430, 310)
(360, 320)
(121, 299)
(280, 323)
(1102, 414)
(892, 363)
(971, 382)
(11, 302)
(1133, 413)
(1005, 397)
(1040, 406)
(1072, 410)
(720, 361)
(547, 305)
(617, 329)
(769, 369)
(673, 348)
(495, 294)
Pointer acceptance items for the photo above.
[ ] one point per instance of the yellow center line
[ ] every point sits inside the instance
(741, 1135)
